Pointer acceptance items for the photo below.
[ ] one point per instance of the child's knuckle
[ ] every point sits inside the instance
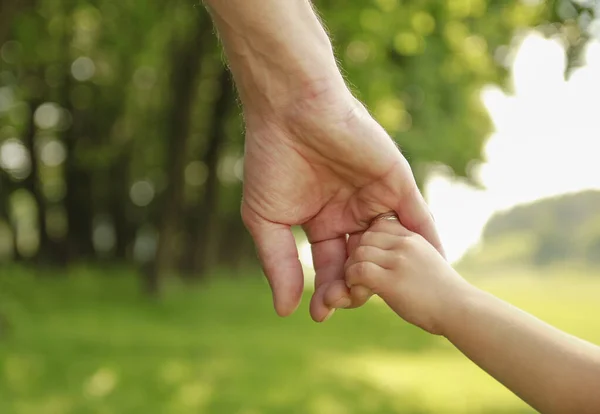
(402, 243)
(362, 253)
(398, 260)
(363, 270)
(408, 243)
(368, 238)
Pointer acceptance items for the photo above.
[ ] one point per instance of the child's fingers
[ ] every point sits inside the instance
(389, 224)
(340, 296)
(366, 274)
(361, 293)
(334, 295)
(381, 257)
(381, 240)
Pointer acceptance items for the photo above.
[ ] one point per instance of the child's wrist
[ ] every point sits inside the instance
(458, 306)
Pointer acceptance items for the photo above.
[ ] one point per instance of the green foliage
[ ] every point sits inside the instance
(513, 249)
(114, 109)
(558, 229)
(419, 66)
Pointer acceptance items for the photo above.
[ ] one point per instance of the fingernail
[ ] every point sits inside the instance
(331, 312)
(390, 216)
(342, 303)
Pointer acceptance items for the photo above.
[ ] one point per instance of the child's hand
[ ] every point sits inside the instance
(407, 273)
(550, 369)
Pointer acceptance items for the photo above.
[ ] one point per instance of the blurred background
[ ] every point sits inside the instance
(127, 281)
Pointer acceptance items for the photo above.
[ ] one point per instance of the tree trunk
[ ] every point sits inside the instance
(206, 215)
(78, 181)
(236, 247)
(8, 11)
(32, 184)
(78, 204)
(184, 76)
(6, 188)
(118, 207)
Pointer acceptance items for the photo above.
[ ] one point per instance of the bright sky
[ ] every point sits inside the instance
(547, 142)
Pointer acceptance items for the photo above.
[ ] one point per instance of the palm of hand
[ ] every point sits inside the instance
(332, 178)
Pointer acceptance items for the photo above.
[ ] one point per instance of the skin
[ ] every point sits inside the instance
(552, 371)
(314, 156)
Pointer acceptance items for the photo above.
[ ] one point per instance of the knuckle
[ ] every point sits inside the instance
(400, 244)
(362, 253)
(407, 243)
(363, 268)
(416, 242)
(368, 238)
(358, 271)
(362, 273)
(399, 260)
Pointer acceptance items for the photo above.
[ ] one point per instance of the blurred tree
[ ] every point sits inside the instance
(553, 230)
(576, 22)
(120, 134)
(6, 188)
(9, 9)
(206, 214)
(32, 182)
(420, 67)
(185, 71)
(588, 240)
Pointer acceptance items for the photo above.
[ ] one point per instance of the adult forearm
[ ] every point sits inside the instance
(551, 370)
(277, 50)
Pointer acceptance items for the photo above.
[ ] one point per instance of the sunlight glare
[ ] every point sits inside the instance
(545, 143)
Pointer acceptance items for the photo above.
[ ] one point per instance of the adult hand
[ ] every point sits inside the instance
(314, 156)
(326, 164)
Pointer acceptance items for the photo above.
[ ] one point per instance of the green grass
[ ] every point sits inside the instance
(80, 343)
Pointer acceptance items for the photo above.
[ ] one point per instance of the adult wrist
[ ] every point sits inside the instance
(277, 53)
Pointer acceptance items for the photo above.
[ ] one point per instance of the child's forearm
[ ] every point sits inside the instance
(552, 371)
